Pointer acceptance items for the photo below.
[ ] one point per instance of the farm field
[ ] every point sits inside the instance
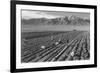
(49, 46)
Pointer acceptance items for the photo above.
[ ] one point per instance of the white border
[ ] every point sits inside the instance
(20, 65)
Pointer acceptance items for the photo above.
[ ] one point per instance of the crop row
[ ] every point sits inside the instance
(72, 46)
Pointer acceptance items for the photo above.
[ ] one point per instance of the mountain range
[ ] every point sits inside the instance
(65, 20)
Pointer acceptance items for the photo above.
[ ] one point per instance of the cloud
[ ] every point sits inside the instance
(36, 14)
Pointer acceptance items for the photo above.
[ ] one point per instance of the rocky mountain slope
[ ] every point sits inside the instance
(67, 20)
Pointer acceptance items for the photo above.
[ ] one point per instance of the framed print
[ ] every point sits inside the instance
(52, 36)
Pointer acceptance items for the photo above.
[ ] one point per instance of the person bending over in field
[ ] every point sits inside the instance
(58, 42)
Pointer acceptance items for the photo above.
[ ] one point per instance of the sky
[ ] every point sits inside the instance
(29, 14)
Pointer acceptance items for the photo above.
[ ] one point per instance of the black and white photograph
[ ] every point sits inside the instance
(52, 36)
